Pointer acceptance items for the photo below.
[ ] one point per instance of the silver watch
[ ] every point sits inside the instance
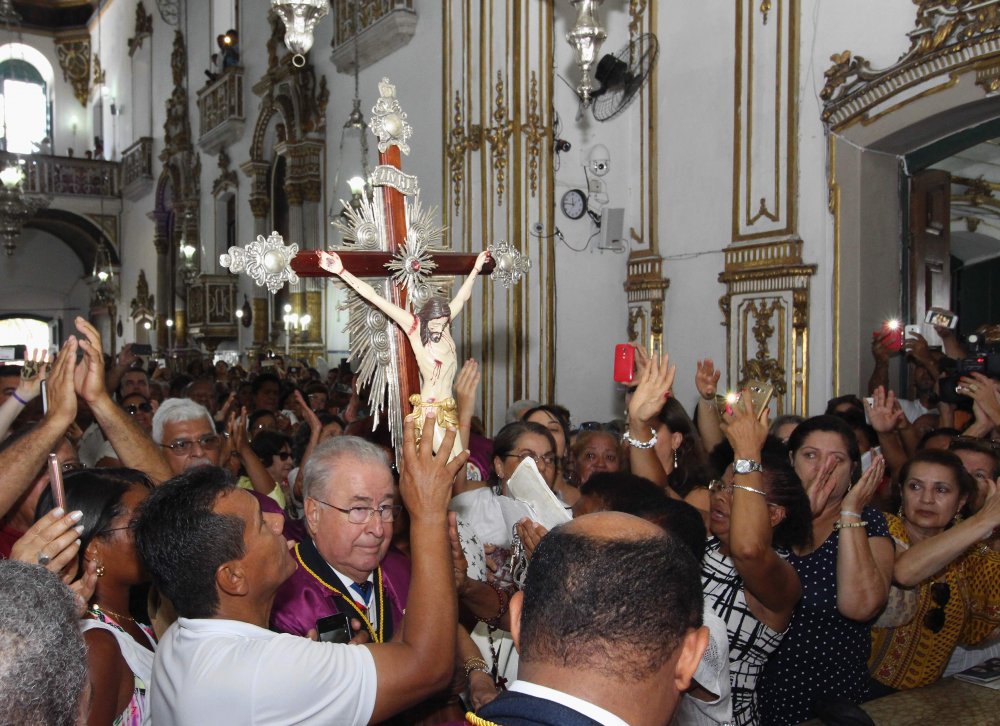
(746, 466)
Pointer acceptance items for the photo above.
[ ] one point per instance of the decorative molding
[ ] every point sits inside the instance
(74, 59)
(385, 27)
(765, 120)
(498, 137)
(766, 314)
(947, 34)
(143, 28)
(142, 306)
(211, 310)
(100, 75)
(220, 111)
(228, 179)
(67, 175)
(645, 292)
(534, 133)
(137, 169)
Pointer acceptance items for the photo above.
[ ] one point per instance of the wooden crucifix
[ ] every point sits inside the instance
(407, 358)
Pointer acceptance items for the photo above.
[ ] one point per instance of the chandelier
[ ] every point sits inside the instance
(300, 17)
(586, 37)
(16, 207)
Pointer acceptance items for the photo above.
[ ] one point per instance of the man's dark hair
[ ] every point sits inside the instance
(182, 541)
(436, 307)
(856, 420)
(8, 371)
(980, 447)
(259, 381)
(620, 608)
(933, 433)
(850, 399)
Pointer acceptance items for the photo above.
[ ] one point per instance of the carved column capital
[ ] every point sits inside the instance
(259, 206)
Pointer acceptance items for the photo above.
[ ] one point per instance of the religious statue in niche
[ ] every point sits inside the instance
(429, 333)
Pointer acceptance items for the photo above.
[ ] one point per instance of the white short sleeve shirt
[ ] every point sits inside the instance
(209, 671)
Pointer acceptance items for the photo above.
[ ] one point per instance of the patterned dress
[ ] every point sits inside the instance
(913, 655)
(139, 659)
(823, 653)
(750, 641)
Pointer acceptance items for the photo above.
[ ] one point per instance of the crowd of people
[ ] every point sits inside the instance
(241, 545)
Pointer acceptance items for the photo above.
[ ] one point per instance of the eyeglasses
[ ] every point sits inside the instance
(540, 459)
(940, 594)
(362, 515)
(284, 456)
(208, 442)
(131, 409)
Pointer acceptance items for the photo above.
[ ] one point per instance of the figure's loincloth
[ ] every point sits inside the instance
(445, 416)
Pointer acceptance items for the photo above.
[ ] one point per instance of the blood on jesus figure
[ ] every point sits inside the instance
(429, 333)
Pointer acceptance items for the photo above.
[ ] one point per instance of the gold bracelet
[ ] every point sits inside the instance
(475, 664)
(847, 525)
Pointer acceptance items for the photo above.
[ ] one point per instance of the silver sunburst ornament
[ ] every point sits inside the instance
(511, 265)
(268, 260)
(361, 224)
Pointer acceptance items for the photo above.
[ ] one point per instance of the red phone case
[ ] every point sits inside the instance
(624, 363)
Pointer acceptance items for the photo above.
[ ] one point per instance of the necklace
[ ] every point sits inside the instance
(97, 608)
(373, 630)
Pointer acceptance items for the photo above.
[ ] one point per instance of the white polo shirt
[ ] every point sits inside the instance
(209, 671)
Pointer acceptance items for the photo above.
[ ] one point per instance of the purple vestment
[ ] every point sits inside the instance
(303, 598)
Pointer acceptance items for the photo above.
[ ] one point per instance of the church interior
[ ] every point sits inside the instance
(491, 211)
(747, 188)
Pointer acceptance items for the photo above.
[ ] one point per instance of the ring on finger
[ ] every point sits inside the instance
(43, 559)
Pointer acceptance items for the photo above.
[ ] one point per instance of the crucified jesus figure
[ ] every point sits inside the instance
(429, 333)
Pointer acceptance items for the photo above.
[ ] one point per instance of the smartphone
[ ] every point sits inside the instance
(12, 352)
(761, 393)
(725, 403)
(45, 398)
(941, 318)
(335, 628)
(911, 331)
(624, 363)
(142, 349)
(892, 334)
(56, 482)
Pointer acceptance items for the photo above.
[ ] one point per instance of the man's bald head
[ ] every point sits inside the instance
(609, 593)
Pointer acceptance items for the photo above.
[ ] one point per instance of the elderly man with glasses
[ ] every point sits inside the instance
(345, 564)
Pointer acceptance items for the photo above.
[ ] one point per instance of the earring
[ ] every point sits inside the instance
(99, 570)
(900, 512)
(957, 518)
(677, 458)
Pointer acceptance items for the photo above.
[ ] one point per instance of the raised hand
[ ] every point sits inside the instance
(331, 262)
(531, 534)
(52, 542)
(653, 389)
(90, 371)
(426, 479)
(61, 391)
(984, 392)
(481, 259)
(745, 431)
(860, 494)
(884, 413)
(33, 373)
(706, 379)
(819, 489)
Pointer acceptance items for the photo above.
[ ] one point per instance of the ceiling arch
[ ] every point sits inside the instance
(78, 233)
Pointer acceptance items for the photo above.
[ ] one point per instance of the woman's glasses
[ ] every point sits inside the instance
(940, 594)
(540, 459)
(284, 455)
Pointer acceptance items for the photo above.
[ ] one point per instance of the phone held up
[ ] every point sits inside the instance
(892, 335)
(56, 482)
(624, 363)
(335, 628)
(761, 393)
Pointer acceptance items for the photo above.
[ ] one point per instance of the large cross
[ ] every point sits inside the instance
(385, 245)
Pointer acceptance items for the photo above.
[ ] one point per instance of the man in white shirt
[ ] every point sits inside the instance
(220, 560)
(628, 635)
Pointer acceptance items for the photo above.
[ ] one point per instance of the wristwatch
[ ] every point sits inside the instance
(746, 466)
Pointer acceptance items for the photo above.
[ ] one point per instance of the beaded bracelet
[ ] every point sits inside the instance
(503, 598)
(475, 664)
(847, 525)
(626, 438)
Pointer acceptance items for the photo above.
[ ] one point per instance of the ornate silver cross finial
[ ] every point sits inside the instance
(511, 264)
(266, 260)
(389, 121)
